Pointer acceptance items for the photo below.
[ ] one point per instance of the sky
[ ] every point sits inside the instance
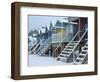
(37, 22)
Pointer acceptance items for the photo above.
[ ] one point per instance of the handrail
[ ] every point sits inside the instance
(68, 43)
(82, 36)
(34, 45)
(74, 37)
(78, 42)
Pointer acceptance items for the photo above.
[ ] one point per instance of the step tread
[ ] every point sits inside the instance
(70, 46)
(85, 47)
(84, 50)
(63, 54)
(80, 58)
(69, 49)
(83, 54)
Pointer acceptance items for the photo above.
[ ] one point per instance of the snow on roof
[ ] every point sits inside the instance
(73, 23)
(43, 30)
(63, 21)
(59, 27)
(66, 21)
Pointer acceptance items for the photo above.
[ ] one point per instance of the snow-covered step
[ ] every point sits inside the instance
(61, 58)
(69, 50)
(85, 47)
(64, 55)
(72, 44)
(80, 58)
(70, 47)
(65, 52)
(84, 51)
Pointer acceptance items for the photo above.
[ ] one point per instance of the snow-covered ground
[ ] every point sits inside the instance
(36, 60)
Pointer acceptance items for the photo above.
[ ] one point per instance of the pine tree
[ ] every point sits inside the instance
(51, 26)
(58, 23)
(46, 29)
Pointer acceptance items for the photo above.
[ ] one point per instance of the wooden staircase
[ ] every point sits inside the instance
(68, 51)
(44, 47)
(82, 57)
